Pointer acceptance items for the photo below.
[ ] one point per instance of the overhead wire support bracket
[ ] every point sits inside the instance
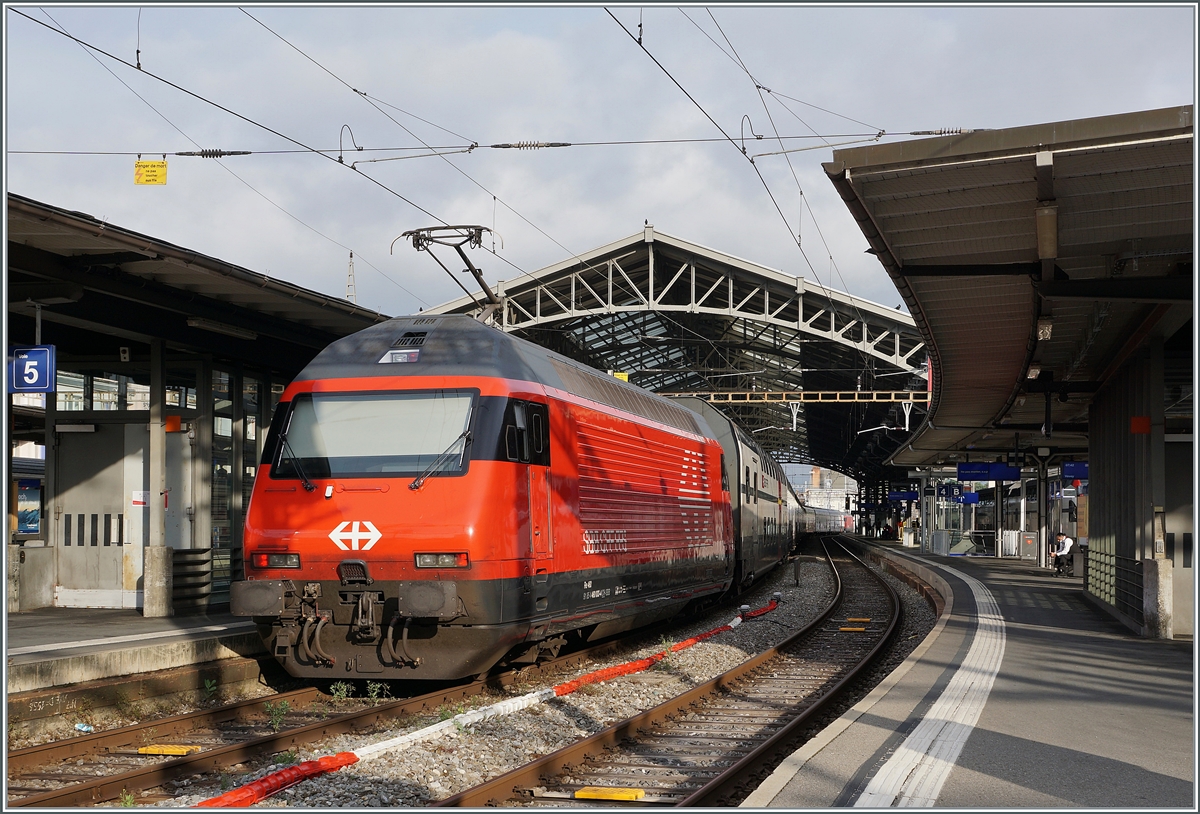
(876, 137)
(346, 127)
(354, 164)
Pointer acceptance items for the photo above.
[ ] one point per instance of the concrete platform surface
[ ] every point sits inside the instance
(1024, 696)
(52, 647)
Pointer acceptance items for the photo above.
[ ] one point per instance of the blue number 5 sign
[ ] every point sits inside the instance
(31, 370)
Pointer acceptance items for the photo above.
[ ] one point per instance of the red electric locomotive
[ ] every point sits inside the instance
(436, 495)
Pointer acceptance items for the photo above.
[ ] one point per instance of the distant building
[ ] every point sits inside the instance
(829, 489)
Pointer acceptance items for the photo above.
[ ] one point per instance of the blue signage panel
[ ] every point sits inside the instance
(975, 471)
(31, 369)
(988, 471)
(1075, 469)
(968, 497)
(1005, 472)
(902, 495)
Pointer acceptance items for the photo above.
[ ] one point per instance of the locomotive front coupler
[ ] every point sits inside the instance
(363, 627)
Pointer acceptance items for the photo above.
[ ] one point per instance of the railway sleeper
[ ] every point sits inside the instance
(679, 755)
(640, 771)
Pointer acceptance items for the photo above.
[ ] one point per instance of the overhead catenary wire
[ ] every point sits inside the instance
(759, 89)
(496, 199)
(742, 150)
(471, 147)
(92, 48)
(220, 153)
(221, 107)
(805, 204)
(737, 61)
(370, 100)
(308, 148)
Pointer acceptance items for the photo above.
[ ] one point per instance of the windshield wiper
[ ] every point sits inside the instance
(309, 486)
(464, 436)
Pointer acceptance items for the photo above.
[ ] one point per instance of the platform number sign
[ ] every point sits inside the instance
(31, 369)
(951, 490)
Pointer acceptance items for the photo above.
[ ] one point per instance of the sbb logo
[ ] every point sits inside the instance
(358, 532)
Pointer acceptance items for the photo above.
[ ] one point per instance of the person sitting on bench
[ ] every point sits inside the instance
(1062, 553)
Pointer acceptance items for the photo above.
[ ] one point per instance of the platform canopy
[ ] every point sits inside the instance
(802, 366)
(1035, 260)
(102, 286)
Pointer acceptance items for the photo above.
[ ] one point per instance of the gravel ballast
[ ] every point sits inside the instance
(466, 756)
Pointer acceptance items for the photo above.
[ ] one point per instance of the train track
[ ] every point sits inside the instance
(103, 766)
(696, 749)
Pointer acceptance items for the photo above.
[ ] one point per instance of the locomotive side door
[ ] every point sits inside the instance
(533, 430)
(539, 529)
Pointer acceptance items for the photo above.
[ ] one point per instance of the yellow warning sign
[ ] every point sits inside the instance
(622, 376)
(150, 172)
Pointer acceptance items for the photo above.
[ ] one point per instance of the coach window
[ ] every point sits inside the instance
(755, 487)
(746, 486)
(724, 476)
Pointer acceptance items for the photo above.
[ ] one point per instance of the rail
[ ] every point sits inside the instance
(32, 761)
(800, 692)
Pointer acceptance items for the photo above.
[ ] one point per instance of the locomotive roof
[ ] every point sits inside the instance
(457, 345)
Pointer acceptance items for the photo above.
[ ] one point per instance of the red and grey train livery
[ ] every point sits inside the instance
(436, 495)
(768, 517)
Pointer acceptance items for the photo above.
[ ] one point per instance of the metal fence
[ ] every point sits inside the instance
(1128, 594)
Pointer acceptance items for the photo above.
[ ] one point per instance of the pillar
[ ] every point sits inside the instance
(157, 579)
(1158, 599)
(14, 578)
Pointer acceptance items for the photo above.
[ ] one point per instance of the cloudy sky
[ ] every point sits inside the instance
(448, 78)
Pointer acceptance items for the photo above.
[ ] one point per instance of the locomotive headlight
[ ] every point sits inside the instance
(264, 560)
(458, 560)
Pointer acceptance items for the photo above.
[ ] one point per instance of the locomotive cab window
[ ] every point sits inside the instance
(392, 434)
(537, 430)
(526, 433)
(516, 436)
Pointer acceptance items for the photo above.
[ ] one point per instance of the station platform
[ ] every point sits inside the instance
(54, 647)
(1023, 696)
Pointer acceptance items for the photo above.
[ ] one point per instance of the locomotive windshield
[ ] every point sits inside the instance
(374, 434)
